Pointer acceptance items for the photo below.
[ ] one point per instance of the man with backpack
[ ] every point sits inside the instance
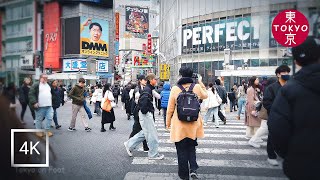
(165, 93)
(146, 118)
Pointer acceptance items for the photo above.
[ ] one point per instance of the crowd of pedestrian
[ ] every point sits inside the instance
(283, 109)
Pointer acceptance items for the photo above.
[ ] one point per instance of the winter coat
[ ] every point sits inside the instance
(212, 100)
(251, 120)
(56, 98)
(98, 95)
(270, 94)
(222, 93)
(232, 96)
(77, 95)
(294, 124)
(181, 129)
(24, 94)
(165, 93)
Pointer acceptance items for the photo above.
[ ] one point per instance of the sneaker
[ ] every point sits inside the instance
(194, 175)
(254, 144)
(145, 151)
(273, 162)
(22, 122)
(50, 133)
(259, 141)
(127, 148)
(246, 137)
(205, 124)
(71, 129)
(112, 128)
(103, 130)
(217, 126)
(238, 117)
(94, 113)
(58, 127)
(158, 157)
(39, 134)
(87, 129)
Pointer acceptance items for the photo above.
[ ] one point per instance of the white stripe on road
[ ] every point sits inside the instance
(216, 151)
(228, 123)
(217, 130)
(242, 136)
(208, 162)
(217, 142)
(211, 125)
(174, 176)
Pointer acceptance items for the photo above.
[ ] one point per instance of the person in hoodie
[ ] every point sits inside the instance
(211, 104)
(165, 93)
(56, 101)
(294, 118)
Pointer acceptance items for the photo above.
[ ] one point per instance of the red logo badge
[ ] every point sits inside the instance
(290, 28)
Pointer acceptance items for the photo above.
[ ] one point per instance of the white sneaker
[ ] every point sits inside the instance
(246, 137)
(158, 157)
(259, 141)
(254, 144)
(273, 162)
(127, 148)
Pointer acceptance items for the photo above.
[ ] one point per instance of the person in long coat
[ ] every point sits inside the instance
(107, 117)
(251, 121)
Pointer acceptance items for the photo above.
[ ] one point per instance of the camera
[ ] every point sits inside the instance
(195, 76)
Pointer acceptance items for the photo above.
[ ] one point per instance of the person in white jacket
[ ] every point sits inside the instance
(211, 104)
(107, 117)
(97, 98)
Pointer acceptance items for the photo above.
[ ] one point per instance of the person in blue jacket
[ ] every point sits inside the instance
(165, 93)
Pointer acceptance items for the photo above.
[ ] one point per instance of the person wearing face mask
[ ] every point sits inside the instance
(294, 117)
(270, 93)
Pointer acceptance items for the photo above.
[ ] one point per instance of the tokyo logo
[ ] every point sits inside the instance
(290, 28)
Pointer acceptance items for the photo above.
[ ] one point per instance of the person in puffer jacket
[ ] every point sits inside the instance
(165, 93)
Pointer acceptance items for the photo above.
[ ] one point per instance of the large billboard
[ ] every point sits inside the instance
(52, 35)
(137, 21)
(94, 37)
(71, 35)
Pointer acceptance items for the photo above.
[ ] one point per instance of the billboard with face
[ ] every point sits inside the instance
(94, 37)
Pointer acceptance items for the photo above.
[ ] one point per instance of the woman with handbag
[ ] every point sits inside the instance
(251, 120)
(107, 106)
(211, 104)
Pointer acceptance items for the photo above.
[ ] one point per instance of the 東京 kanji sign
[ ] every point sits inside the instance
(290, 28)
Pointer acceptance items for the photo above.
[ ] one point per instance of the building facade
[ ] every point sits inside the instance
(52, 36)
(227, 38)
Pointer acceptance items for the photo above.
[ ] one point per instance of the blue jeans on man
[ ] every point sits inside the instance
(44, 112)
(148, 132)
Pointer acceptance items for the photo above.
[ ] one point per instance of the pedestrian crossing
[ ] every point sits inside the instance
(223, 153)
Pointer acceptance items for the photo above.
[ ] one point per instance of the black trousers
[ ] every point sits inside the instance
(186, 151)
(270, 148)
(23, 111)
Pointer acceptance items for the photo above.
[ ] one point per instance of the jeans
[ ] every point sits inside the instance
(213, 110)
(41, 113)
(97, 108)
(136, 128)
(222, 109)
(24, 108)
(148, 132)
(241, 104)
(55, 117)
(233, 105)
(186, 151)
(165, 116)
(87, 109)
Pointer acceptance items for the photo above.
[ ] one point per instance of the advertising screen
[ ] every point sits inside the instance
(94, 37)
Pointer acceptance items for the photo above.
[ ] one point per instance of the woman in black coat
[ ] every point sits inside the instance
(24, 98)
(107, 117)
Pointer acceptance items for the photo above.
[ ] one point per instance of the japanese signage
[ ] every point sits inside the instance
(76, 65)
(149, 47)
(52, 35)
(233, 33)
(116, 43)
(137, 21)
(290, 28)
(26, 61)
(94, 38)
(142, 60)
(164, 72)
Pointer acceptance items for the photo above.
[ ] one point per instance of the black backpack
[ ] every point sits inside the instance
(188, 106)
